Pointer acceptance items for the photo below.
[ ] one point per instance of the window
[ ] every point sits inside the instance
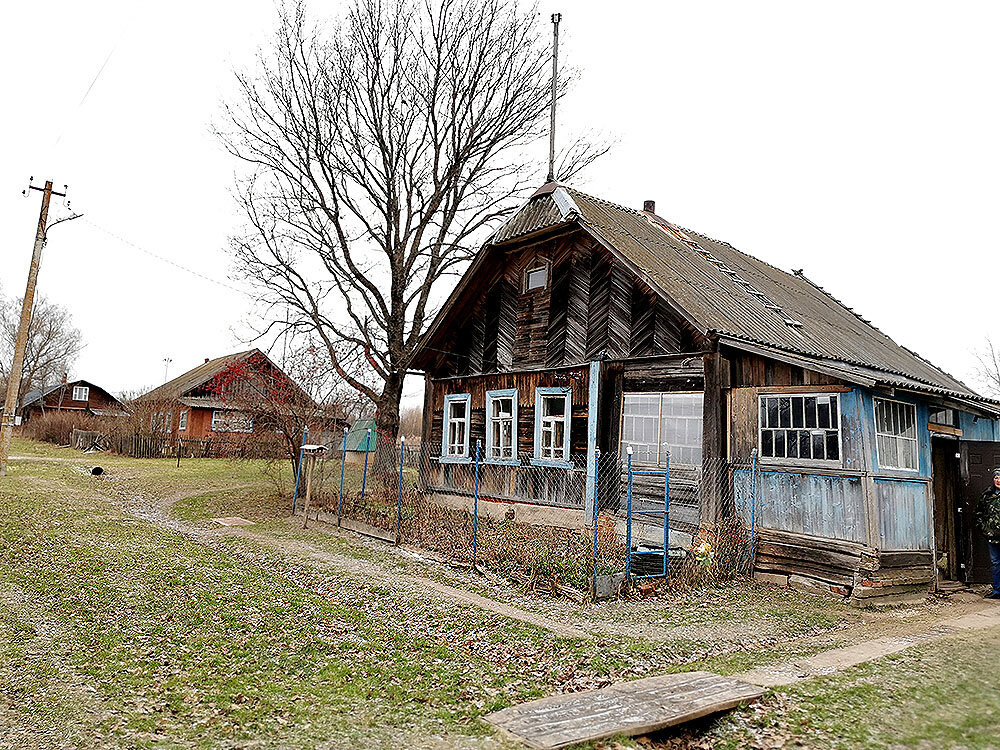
(501, 425)
(552, 419)
(168, 421)
(536, 278)
(231, 421)
(182, 421)
(896, 435)
(800, 427)
(947, 417)
(456, 426)
(81, 393)
(658, 424)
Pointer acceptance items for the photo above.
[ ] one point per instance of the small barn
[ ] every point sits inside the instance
(585, 326)
(80, 396)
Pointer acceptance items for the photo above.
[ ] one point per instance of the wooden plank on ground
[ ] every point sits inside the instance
(628, 708)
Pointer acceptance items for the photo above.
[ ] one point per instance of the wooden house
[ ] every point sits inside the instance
(206, 401)
(583, 325)
(81, 396)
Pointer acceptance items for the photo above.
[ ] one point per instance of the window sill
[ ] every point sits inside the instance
(501, 461)
(552, 463)
(455, 459)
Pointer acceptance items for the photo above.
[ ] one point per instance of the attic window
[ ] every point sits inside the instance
(81, 393)
(536, 278)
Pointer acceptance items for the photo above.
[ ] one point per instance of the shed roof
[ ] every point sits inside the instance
(362, 436)
(726, 293)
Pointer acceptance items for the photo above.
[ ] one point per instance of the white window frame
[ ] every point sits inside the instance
(168, 421)
(786, 461)
(446, 454)
(218, 417)
(492, 396)
(182, 420)
(660, 452)
(83, 389)
(915, 441)
(540, 395)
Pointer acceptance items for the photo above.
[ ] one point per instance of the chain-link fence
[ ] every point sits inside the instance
(564, 524)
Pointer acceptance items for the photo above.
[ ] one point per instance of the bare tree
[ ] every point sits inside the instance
(988, 371)
(54, 343)
(376, 153)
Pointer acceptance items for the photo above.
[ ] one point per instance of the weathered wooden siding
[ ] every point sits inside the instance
(592, 308)
(903, 514)
(825, 506)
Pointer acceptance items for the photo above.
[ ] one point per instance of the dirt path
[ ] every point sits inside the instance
(835, 660)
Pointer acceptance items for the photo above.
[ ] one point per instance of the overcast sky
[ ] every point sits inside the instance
(854, 140)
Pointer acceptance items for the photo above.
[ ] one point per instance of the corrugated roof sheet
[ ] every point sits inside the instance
(728, 292)
(174, 389)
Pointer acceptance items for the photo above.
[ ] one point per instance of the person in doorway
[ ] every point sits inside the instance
(988, 516)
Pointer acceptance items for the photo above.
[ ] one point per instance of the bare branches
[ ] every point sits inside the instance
(374, 153)
(988, 371)
(54, 343)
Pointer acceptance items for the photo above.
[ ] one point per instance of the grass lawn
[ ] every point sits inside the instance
(127, 618)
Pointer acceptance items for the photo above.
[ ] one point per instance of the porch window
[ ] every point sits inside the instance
(182, 421)
(81, 393)
(501, 425)
(231, 421)
(553, 410)
(456, 426)
(802, 427)
(656, 424)
(896, 435)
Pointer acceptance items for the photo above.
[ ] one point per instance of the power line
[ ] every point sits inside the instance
(158, 257)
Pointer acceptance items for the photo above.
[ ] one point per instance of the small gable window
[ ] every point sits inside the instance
(81, 393)
(536, 277)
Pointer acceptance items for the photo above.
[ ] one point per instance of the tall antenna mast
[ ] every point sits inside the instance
(556, 18)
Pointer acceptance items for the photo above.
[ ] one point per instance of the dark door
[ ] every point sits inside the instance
(948, 496)
(978, 461)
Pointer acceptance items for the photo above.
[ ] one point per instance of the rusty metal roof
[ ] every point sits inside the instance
(735, 296)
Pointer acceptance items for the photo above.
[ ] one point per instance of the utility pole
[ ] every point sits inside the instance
(17, 365)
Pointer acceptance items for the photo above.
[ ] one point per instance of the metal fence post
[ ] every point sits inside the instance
(628, 521)
(753, 508)
(364, 476)
(399, 499)
(597, 463)
(298, 471)
(666, 520)
(475, 509)
(343, 461)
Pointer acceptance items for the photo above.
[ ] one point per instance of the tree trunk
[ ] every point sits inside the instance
(387, 427)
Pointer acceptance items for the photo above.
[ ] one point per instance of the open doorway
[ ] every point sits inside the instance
(946, 459)
(977, 464)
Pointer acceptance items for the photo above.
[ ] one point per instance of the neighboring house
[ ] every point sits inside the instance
(76, 396)
(584, 325)
(192, 406)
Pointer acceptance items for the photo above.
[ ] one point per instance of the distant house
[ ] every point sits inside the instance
(80, 396)
(196, 405)
(586, 326)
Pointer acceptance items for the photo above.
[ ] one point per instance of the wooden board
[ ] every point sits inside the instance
(628, 708)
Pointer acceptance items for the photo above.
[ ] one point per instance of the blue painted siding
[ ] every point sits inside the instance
(827, 506)
(982, 429)
(904, 522)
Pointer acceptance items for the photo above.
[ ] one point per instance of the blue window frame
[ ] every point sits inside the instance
(455, 430)
(501, 427)
(553, 411)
